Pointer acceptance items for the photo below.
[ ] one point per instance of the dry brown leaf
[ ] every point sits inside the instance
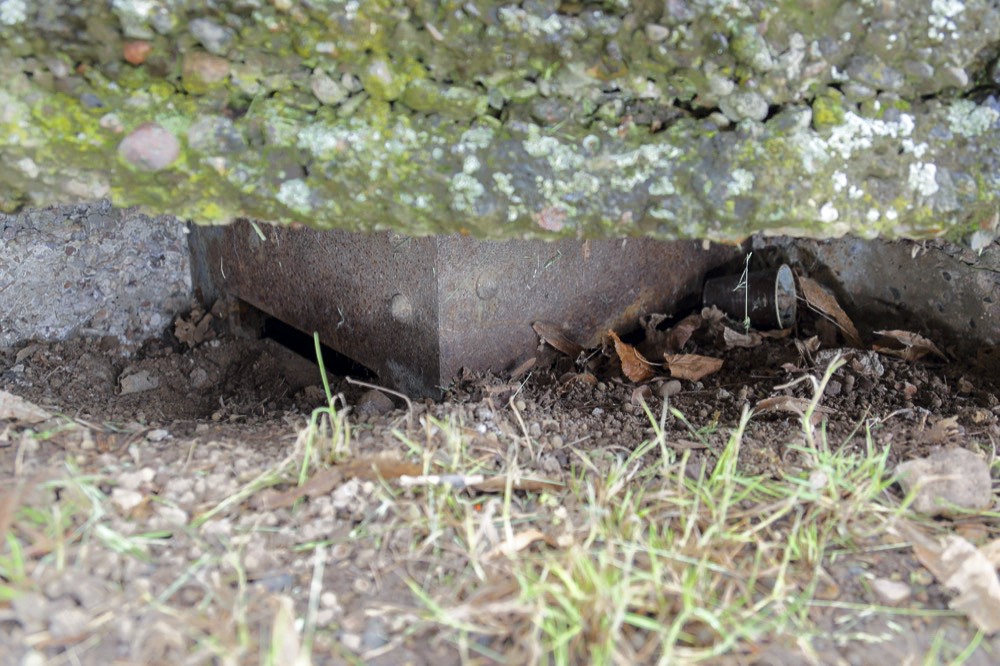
(554, 337)
(914, 346)
(818, 298)
(789, 403)
(712, 315)
(681, 332)
(733, 338)
(943, 431)
(523, 367)
(493, 484)
(195, 328)
(588, 378)
(961, 566)
(498, 484)
(286, 644)
(327, 479)
(686, 444)
(521, 540)
(17, 408)
(691, 366)
(776, 334)
(634, 366)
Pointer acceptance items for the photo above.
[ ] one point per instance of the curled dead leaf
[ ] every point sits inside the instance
(521, 540)
(553, 336)
(746, 340)
(961, 566)
(821, 300)
(691, 366)
(634, 366)
(907, 345)
(17, 408)
(681, 332)
(789, 403)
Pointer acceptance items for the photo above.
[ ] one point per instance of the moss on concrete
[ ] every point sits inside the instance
(676, 119)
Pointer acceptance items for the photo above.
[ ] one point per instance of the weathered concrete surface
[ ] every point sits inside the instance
(676, 118)
(90, 270)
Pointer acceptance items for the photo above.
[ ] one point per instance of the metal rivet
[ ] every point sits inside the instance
(401, 308)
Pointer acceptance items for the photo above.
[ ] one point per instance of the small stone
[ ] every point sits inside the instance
(918, 69)
(199, 378)
(750, 48)
(947, 480)
(30, 610)
(137, 479)
(670, 388)
(374, 635)
(833, 388)
(67, 622)
(380, 81)
(136, 51)
(150, 147)
(951, 75)
(200, 71)
(125, 499)
(351, 641)
(374, 402)
(656, 32)
(891, 591)
(171, 516)
(138, 382)
(214, 37)
(741, 105)
(112, 122)
(327, 90)
(873, 73)
(157, 435)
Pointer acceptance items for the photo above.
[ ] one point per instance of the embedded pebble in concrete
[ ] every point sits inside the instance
(150, 147)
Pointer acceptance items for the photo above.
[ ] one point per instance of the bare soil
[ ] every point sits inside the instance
(229, 408)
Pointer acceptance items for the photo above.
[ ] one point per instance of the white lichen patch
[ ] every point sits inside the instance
(662, 187)
(811, 149)
(465, 190)
(27, 166)
(947, 8)
(857, 133)
(518, 20)
(923, 178)
(828, 213)
(470, 165)
(474, 138)
(13, 12)
(295, 194)
(968, 119)
(839, 181)
(559, 155)
(915, 149)
(741, 183)
(138, 8)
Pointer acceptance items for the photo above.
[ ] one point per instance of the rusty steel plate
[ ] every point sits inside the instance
(416, 310)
